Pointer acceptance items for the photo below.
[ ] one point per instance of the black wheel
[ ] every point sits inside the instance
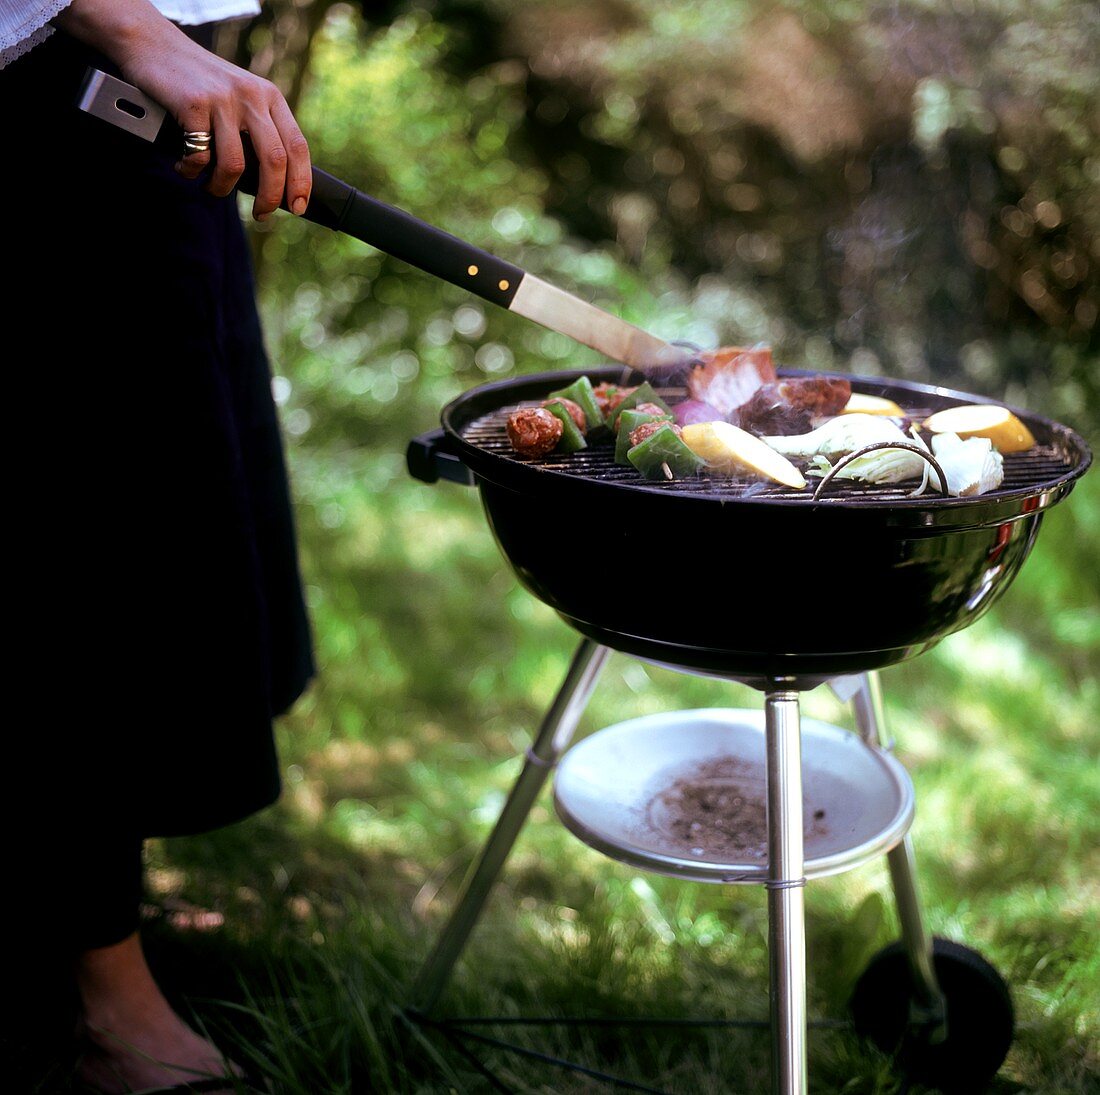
(980, 1018)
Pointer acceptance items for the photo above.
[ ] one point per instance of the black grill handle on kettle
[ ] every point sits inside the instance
(430, 458)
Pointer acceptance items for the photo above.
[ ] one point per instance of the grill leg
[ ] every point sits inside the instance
(786, 890)
(928, 1001)
(555, 733)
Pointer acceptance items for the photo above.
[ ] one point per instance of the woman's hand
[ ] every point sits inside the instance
(202, 92)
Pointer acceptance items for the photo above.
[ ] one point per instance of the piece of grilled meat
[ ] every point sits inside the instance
(793, 405)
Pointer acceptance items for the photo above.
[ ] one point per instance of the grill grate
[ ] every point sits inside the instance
(1044, 464)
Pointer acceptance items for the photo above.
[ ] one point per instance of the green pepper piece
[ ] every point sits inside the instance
(581, 392)
(644, 393)
(629, 421)
(572, 440)
(664, 449)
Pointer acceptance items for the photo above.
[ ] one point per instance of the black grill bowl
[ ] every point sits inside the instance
(758, 584)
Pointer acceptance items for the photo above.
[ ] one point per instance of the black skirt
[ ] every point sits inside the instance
(156, 600)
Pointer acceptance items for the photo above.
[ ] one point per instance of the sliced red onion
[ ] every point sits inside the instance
(694, 410)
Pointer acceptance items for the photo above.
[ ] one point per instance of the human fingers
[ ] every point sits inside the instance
(271, 158)
(299, 169)
(229, 163)
(195, 149)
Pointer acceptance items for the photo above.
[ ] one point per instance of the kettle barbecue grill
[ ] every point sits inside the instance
(778, 569)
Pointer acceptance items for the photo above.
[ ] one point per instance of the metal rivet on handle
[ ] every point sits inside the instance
(502, 285)
(471, 270)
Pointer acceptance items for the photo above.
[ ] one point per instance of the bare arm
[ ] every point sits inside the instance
(202, 92)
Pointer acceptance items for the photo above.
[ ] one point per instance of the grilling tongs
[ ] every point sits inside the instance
(340, 206)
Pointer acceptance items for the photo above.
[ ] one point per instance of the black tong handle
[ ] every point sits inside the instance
(337, 205)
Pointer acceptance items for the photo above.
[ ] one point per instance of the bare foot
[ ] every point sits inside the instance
(183, 915)
(154, 1057)
(134, 1038)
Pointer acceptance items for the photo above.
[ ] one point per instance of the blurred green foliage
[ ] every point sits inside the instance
(901, 180)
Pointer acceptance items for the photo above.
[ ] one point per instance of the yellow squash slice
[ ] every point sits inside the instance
(999, 424)
(872, 404)
(726, 448)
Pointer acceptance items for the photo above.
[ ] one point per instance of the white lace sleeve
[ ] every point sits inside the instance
(25, 23)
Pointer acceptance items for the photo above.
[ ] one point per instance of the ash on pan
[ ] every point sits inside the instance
(717, 809)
